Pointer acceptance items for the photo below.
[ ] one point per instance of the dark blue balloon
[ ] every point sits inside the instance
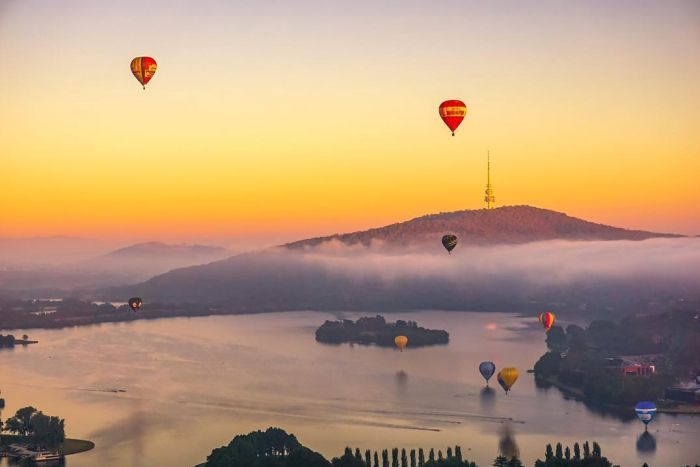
(487, 369)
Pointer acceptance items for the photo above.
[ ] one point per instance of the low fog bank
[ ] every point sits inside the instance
(589, 276)
(543, 263)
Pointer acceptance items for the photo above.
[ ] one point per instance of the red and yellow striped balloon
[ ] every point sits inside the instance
(452, 113)
(547, 320)
(143, 69)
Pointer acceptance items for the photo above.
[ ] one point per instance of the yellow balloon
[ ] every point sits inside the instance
(507, 378)
(401, 342)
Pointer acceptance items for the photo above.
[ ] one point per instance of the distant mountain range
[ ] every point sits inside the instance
(162, 250)
(505, 225)
(316, 274)
(88, 267)
(149, 258)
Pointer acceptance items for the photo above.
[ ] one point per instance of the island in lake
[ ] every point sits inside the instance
(376, 330)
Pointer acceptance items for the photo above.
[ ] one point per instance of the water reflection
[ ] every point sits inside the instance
(487, 398)
(646, 443)
(401, 381)
(506, 444)
(616, 413)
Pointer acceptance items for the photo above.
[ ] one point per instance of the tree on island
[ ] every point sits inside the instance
(19, 424)
(7, 341)
(40, 430)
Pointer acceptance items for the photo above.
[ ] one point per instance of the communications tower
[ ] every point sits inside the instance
(490, 198)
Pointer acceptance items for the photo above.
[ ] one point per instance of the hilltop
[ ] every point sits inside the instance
(505, 225)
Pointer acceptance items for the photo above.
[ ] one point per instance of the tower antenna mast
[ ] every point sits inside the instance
(490, 198)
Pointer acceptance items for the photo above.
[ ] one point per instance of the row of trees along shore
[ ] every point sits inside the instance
(412, 458)
(276, 448)
(35, 428)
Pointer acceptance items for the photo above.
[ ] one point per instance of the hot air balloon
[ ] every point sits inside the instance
(449, 242)
(135, 303)
(507, 378)
(487, 369)
(452, 113)
(547, 320)
(401, 342)
(143, 69)
(646, 411)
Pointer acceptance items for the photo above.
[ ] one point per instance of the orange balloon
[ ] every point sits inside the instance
(401, 342)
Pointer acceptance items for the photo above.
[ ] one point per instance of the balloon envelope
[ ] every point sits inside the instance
(507, 377)
(452, 113)
(646, 411)
(487, 369)
(135, 303)
(449, 242)
(401, 342)
(143, 69)
(547, 320)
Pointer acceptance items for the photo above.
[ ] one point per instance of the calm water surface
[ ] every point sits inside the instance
(192, 384)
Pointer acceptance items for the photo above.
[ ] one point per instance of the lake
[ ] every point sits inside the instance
(193, 383)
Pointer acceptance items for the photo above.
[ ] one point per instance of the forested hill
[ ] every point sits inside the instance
(509, 224)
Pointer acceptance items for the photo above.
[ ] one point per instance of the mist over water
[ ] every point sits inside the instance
(192, 384)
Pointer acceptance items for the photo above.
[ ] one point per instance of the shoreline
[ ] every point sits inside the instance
(121, 317)
(69, 447)
(674, 408)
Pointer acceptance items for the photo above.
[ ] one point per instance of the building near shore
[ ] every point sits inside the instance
(641, 365)
(688, 393)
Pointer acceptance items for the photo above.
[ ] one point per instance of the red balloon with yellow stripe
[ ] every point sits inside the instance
(452, 113)
(547, 320)
(143, 69)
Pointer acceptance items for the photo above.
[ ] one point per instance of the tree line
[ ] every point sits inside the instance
(276, 448)
(403, 458)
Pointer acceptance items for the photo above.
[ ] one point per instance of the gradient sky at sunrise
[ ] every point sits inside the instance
(297, 118)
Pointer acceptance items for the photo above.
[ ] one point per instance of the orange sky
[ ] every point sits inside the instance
(291, 119)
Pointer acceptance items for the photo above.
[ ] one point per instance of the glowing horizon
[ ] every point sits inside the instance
(319, 118)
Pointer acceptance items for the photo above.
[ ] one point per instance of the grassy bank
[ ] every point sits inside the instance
(68, 447)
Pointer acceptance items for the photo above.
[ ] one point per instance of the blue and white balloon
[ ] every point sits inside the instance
(646, 411)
